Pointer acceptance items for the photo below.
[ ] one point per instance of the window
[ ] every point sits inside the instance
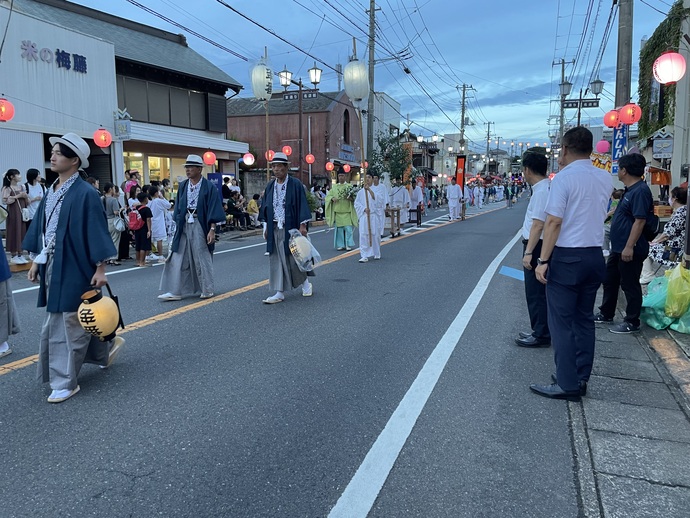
(346, 127)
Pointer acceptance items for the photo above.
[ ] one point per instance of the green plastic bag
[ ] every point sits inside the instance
(678, 296)
(653, 304)
(682, 325)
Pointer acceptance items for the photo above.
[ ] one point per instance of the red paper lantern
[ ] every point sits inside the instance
(248, 159)
(611, 119)
(102, 137)
(287, 150)
(269, 154)
(329, 166)
(6, 110)
(669, 68)
(346, 168)
(366, 164)
(630, 113)
(310, 158)
(209, 158)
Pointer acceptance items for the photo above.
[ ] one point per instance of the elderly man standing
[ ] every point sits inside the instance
(69, 245)
(340, 213)
(285, 207)
(571, 263)
(198, 208)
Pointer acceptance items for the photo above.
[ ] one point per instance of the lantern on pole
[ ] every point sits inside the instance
(248, 159)
(310, 159)
(346, 168)
(102, 137)
(287, 150)
(329, 166)
(630, 114)
(669, 68)
(209, 158)
(611, 119)
(262, 87)
(6, 110)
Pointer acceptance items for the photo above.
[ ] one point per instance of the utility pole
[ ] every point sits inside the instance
(488, 137)
(561, 98)
(624, 60)
(465, 88)
(370, 104)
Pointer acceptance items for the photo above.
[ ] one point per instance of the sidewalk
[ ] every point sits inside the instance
(631, 432)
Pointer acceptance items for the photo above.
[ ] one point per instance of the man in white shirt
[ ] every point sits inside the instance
(416, 201)
(535, 167)
(572, 261)
(454, 193)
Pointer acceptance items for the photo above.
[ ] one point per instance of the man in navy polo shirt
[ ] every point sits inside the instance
(629, 248)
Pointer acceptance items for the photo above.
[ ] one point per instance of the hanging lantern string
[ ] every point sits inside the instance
(17, 99)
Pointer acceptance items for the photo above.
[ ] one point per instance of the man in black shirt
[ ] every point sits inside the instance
(629, 248)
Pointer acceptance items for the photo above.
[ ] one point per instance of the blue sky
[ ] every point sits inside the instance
(503, 48)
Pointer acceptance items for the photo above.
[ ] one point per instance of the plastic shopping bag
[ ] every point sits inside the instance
(306, 256)
(678, 297)
(653, 304)
(682, 325)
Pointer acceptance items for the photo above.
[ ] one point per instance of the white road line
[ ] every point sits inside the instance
(361, 493)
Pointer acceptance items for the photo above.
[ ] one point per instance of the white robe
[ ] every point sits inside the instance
(454, 194)
(381, 194)
(366, 250)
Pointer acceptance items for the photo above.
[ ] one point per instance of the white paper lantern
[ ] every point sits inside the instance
(356, 79)
(262, 80)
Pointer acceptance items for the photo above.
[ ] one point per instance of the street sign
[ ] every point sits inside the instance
(570, 104)
(619, 147)
(590, 103)
(662, 148)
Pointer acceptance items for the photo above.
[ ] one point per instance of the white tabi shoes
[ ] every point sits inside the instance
(273, 299)
(169, 296)
(58, 396)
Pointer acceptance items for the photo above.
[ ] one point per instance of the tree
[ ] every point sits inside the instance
(391, 156)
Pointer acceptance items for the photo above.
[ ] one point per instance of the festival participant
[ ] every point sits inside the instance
(198, 208)
(369, 231)
(400, 198)
(340, 213)
(381, 193)
(284, 208)
(69, 244)
(417, 201)
(454, 194)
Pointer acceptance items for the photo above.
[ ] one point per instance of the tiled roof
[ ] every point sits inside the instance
(133, 41)
(248, 106)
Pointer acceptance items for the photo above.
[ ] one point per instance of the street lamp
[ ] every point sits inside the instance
(596, 87)
(286, 80)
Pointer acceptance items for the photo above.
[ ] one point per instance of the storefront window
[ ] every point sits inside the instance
(134, 161)
(159, 168)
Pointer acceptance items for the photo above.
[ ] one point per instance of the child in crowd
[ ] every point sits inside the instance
(159, 206)
(253, 210)
(142, 236)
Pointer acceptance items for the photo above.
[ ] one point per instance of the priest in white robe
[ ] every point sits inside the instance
(454, 194)
(369, 223)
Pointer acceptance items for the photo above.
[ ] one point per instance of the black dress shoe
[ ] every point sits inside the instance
(554, 391)
(583, 385)
(524, 334)
(532, 341)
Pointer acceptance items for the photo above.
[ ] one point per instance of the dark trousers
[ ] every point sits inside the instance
(625, 275)
(574, 276)
(535, 293)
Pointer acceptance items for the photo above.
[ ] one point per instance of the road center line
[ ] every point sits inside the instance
(361, 493)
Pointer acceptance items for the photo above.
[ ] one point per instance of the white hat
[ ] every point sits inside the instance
(76, 144)
(279, 158)
(194, 161)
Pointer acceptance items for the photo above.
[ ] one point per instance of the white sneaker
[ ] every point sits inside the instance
(58, 396)
(152, 257)
(23, 259)
(307, 289)
(169, 296)
(16, 260)
(363, 260)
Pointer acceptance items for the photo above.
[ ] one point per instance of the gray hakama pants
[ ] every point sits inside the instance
(9, 318)
(189, 271)
(283, 272)
(65, 346)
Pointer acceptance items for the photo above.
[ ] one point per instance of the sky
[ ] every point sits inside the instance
(425, 50)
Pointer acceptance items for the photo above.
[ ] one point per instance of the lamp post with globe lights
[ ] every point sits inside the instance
(596, 87)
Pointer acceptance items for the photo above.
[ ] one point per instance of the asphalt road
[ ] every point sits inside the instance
(229, 407)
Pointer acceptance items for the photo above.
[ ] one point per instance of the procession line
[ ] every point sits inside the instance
(360, 494)
(30, 360)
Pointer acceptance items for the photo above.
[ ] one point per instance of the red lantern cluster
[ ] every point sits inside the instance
(329, 166)
(6, 110)
(209, 158)
(612, 119)
(630, 114)
(287, 150)
(102, 138)
(310, 158)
